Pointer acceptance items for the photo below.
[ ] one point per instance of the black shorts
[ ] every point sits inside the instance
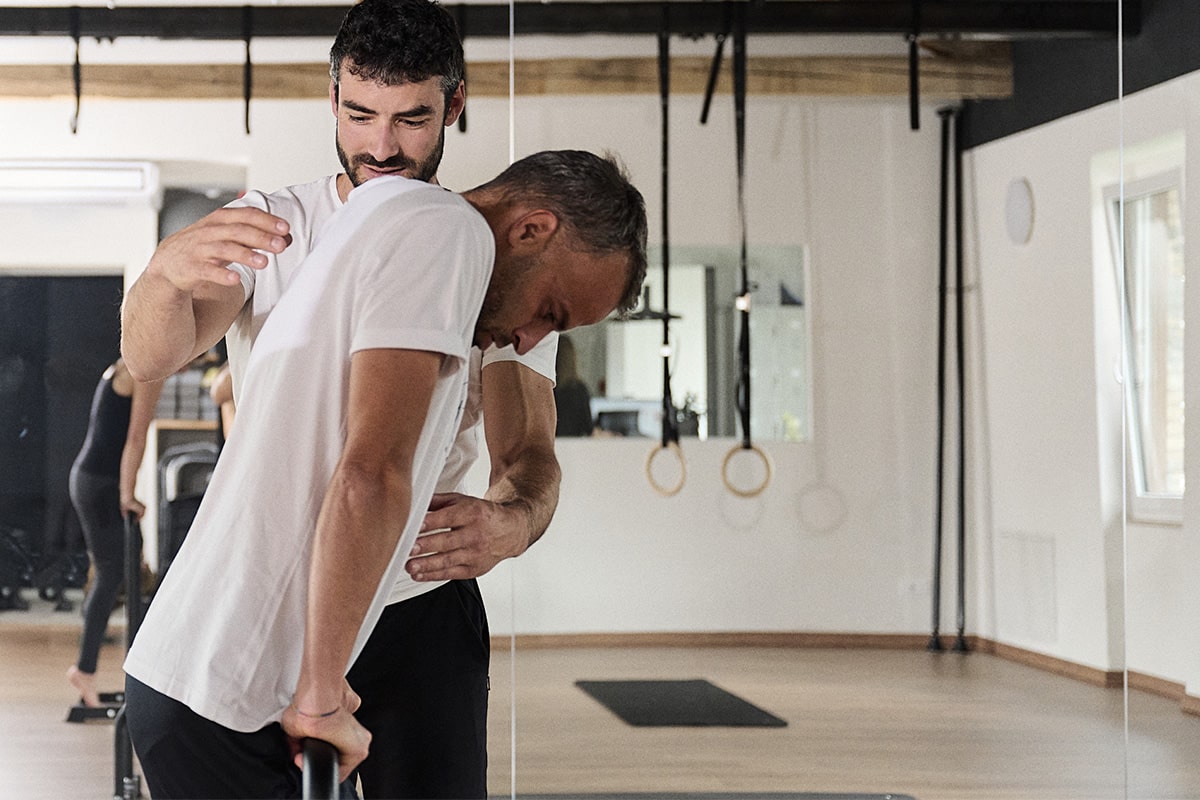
(423, 680)
(187, 757)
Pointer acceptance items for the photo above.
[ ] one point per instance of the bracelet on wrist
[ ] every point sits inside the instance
(315, 716)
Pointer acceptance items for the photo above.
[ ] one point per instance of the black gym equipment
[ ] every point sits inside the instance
(184, 471)
(742, 303)
(25, 566)
(110, 705)
(17, 569)
(948, 116)
(127, 784)
(320, 770)
(670, 420)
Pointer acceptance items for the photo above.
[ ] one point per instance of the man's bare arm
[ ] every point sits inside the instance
(362, 518)
(186, 299)
(519, 420)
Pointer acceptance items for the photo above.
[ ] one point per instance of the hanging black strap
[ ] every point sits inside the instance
(743, 305)
(248, 67)
(715, 70)
(914, 72)
(670, 425)
(76, 69)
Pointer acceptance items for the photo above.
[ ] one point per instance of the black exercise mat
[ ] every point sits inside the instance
(717, 796)
(695, 703)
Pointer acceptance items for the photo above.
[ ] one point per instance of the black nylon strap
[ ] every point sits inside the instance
(739, 108)
(248, 66)
(670, 425)
(76, 69)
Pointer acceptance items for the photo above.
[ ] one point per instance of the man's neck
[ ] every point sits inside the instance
(344, 185)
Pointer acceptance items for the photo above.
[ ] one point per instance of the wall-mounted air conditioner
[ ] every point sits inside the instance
(79, 182)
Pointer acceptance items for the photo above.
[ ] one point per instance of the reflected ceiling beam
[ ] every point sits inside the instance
(984, 73)
(1006, 18)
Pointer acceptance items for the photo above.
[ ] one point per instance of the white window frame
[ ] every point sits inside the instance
(1142, 505)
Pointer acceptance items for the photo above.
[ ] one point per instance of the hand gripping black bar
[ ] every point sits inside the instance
(320, 770)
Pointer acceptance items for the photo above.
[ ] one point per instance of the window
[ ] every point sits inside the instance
(1153, 282)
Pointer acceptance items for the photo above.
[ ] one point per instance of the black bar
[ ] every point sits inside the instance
(960, 642)
(935, 642)
(133, 578)
(126, 783)
(320, 770)
(1078, 18)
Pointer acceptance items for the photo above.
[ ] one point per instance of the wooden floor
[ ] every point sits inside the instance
(934, 726)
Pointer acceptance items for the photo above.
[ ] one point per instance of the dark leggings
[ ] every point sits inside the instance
(97, 501)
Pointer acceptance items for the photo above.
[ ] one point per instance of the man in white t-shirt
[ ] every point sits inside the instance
(352, 399)
(397, 84)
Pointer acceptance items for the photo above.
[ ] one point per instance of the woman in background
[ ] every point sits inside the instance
(102, 484)
(571, 395)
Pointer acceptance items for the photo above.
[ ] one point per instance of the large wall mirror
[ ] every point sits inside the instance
(621, 361)
(1060, 586)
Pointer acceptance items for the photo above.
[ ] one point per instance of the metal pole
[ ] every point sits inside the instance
(935, 642)
(960, 642)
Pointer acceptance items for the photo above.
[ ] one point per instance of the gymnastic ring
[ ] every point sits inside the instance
(766, 460)
(667, 491)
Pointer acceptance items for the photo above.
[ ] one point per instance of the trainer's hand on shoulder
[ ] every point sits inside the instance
(468, 536)
(200, 253)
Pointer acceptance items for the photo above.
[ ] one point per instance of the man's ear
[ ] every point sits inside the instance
(532, 230)
(333, 96)
(458, 101)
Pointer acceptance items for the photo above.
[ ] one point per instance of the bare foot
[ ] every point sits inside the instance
(85, 682)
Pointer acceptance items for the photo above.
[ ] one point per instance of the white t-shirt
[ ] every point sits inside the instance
(225, 632)
(307, 207)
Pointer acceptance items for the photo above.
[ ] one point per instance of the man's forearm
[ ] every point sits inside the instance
(518, 406)
(361, 521)
(528, 483)
(158, 328)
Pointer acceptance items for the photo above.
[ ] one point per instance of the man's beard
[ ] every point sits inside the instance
(421, 171)
(505, 283)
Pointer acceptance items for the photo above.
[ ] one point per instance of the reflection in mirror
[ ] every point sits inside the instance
(621, 361)
(1144, 216)
(1152, 230)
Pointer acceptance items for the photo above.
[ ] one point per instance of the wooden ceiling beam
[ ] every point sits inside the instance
(941, 78)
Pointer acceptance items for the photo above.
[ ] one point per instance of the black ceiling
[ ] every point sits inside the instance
(1000, 18)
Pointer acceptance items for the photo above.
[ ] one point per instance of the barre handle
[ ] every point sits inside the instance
(320, 770)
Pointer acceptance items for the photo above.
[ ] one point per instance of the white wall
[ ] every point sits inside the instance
(1066, 577)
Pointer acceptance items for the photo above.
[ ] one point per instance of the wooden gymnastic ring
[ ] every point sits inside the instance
(667, 491)
(766, 460)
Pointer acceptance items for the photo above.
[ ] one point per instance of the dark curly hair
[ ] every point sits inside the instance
(399, 41)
